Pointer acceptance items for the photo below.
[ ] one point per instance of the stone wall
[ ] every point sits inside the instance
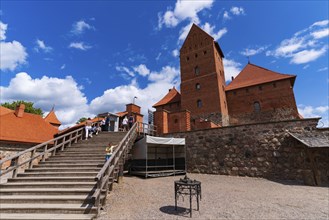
(256, 150)
(8, 149)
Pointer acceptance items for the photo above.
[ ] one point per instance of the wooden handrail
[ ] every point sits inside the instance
(73, 136)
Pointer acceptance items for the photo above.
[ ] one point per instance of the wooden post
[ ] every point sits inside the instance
(44, 153)
(14, 163)
(32, 155)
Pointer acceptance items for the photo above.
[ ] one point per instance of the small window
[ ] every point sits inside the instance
(187, 58)
(274, 85)
(260, 88)
(199, 103)
(196, 55)
(204, 52)
(197, 86)
(176, 120)
(256, 107)
(196, 70)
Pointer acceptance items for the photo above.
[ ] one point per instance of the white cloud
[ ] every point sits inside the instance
(210, 30)
(126, 70)
(3, 29)
(183, 10)
(158, 57)
(253, 51)
(306, 56)
(80, 27)
(114, 100)
(175, 53)
(314, 112)
(306, 66)
(42, 46)
(232, 68)
(321, 23)
(13, 54)
(323, 69)
(305, 45)
(321, 33)
(79, 45)
(226, 16)
(48, 91)
(142, 70)
(237, 11)
(63, 66)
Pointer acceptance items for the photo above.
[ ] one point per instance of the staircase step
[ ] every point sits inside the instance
(50, 184)
(45, 208)
(63, 169)
(44, 216)
(45, 191)
(73, 161)
(64, 165)
(76, 158)
(52, 179)
(53, 174)
(47, 199)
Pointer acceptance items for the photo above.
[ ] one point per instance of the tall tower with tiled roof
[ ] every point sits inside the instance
(202, 78)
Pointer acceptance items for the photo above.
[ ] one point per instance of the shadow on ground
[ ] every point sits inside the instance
(171, 211)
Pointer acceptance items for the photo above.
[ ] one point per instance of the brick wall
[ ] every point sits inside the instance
(256, 150)
(276, 99)
(179, 121)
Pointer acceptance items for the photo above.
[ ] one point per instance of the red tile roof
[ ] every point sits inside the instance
(172, 96)
(52, 118)
(121, 114)
(254, 75)
(30, 128)
(4, 110)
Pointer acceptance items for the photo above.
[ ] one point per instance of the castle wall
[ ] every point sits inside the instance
(257, 150)
(276, 99)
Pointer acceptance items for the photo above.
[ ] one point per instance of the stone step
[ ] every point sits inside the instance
(70, 165)
(45, 216)
(63, 169)
(53, 174)
(76, 158)
(45, 191)
(74, 161)
(46, 199)
(46, 208)
(50, 184)
(79, 154)
(53, 179)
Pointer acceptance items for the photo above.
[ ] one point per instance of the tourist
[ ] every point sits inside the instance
(125, 123)
(131, 121)
(88, 132)
(109, 151)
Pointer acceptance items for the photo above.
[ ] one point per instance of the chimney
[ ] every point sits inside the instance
(232, 77)
(20, 110)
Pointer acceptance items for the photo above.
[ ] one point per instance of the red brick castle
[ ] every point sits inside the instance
(255, 95)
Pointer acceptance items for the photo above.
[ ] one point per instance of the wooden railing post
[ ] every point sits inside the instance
(32, 155)
(44, 153)
(14, 163)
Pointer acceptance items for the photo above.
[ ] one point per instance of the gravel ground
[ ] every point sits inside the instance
(223, 197)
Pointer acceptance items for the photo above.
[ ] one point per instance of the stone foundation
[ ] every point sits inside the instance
(256, 150)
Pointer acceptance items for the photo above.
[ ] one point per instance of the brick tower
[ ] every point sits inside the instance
(202, 78)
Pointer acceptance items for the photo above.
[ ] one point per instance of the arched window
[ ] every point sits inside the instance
(196, 70)
(197, 86)
(199, 103)
(256, 106)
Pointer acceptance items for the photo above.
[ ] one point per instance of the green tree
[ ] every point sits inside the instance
(28, 107)
(81, 120)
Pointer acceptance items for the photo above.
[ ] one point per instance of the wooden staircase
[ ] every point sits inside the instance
(62, 186)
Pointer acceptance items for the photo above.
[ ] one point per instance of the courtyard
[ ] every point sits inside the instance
(223, 197)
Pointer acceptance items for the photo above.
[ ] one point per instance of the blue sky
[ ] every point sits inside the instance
(87, 57)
